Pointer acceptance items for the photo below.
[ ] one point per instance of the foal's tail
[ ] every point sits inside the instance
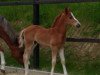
(21, 39)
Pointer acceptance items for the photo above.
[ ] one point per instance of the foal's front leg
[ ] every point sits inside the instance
(54, 56)
(61, 54)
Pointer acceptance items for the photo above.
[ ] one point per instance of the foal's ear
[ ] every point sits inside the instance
(67, 10)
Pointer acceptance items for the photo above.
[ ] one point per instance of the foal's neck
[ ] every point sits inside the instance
(61, 25)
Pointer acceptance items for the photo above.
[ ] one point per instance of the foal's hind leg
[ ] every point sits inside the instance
(26, 56)
(54, 56)
(61, 53)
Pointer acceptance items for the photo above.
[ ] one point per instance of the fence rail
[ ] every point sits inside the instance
(91, 40)
(13, 3)
(65, 1)
(16, 3)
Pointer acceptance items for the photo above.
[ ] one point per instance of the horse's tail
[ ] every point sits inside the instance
(21, 39)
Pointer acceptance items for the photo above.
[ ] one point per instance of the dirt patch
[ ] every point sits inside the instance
(15, 73)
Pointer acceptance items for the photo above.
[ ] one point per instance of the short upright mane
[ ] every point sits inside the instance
(56, 21)
(8, 29)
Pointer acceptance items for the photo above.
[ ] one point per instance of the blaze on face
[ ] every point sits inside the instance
(70, 18)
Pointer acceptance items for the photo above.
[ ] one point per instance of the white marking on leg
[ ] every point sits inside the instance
(26, 63)
(54, 56)
(26, 57)
(61, 54)
(53, 65)
(2, 60)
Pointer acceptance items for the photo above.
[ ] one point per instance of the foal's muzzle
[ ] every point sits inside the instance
(78, 25)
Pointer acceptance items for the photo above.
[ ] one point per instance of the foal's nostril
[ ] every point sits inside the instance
(78, 25)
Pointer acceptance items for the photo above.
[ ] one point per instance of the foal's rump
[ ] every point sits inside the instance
(27, 34)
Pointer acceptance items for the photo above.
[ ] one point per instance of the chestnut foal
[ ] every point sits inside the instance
(53, 37)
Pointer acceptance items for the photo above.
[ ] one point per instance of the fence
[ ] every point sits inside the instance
(44, 2)
(35, 4)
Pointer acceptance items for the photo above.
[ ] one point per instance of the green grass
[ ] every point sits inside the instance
(77, 64)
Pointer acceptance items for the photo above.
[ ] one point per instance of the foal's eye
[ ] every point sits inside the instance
(70, 17)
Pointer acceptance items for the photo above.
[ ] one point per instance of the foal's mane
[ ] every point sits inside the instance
(56, 21)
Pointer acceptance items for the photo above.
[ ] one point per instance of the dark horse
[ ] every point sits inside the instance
(9, 36)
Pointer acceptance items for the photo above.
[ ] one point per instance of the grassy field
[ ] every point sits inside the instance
(81, 58)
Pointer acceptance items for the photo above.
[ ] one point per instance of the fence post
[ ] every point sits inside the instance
(36, 22)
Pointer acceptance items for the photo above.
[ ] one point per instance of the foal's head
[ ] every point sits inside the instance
(70, 18)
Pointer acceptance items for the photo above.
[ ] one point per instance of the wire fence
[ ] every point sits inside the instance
(13, 3)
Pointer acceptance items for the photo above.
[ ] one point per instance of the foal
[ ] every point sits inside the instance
(53, 37)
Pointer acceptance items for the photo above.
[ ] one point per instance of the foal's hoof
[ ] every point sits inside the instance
(3, 72)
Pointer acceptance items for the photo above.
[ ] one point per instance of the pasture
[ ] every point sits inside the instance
(81, 58)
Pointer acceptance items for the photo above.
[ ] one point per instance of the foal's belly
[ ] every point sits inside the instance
(43, 43)
(43, 39)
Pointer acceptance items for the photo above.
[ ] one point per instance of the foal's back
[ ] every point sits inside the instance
(44, 36)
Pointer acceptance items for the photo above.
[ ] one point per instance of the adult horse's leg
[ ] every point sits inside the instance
(2, 61)
(54, 56)
(61, 54)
